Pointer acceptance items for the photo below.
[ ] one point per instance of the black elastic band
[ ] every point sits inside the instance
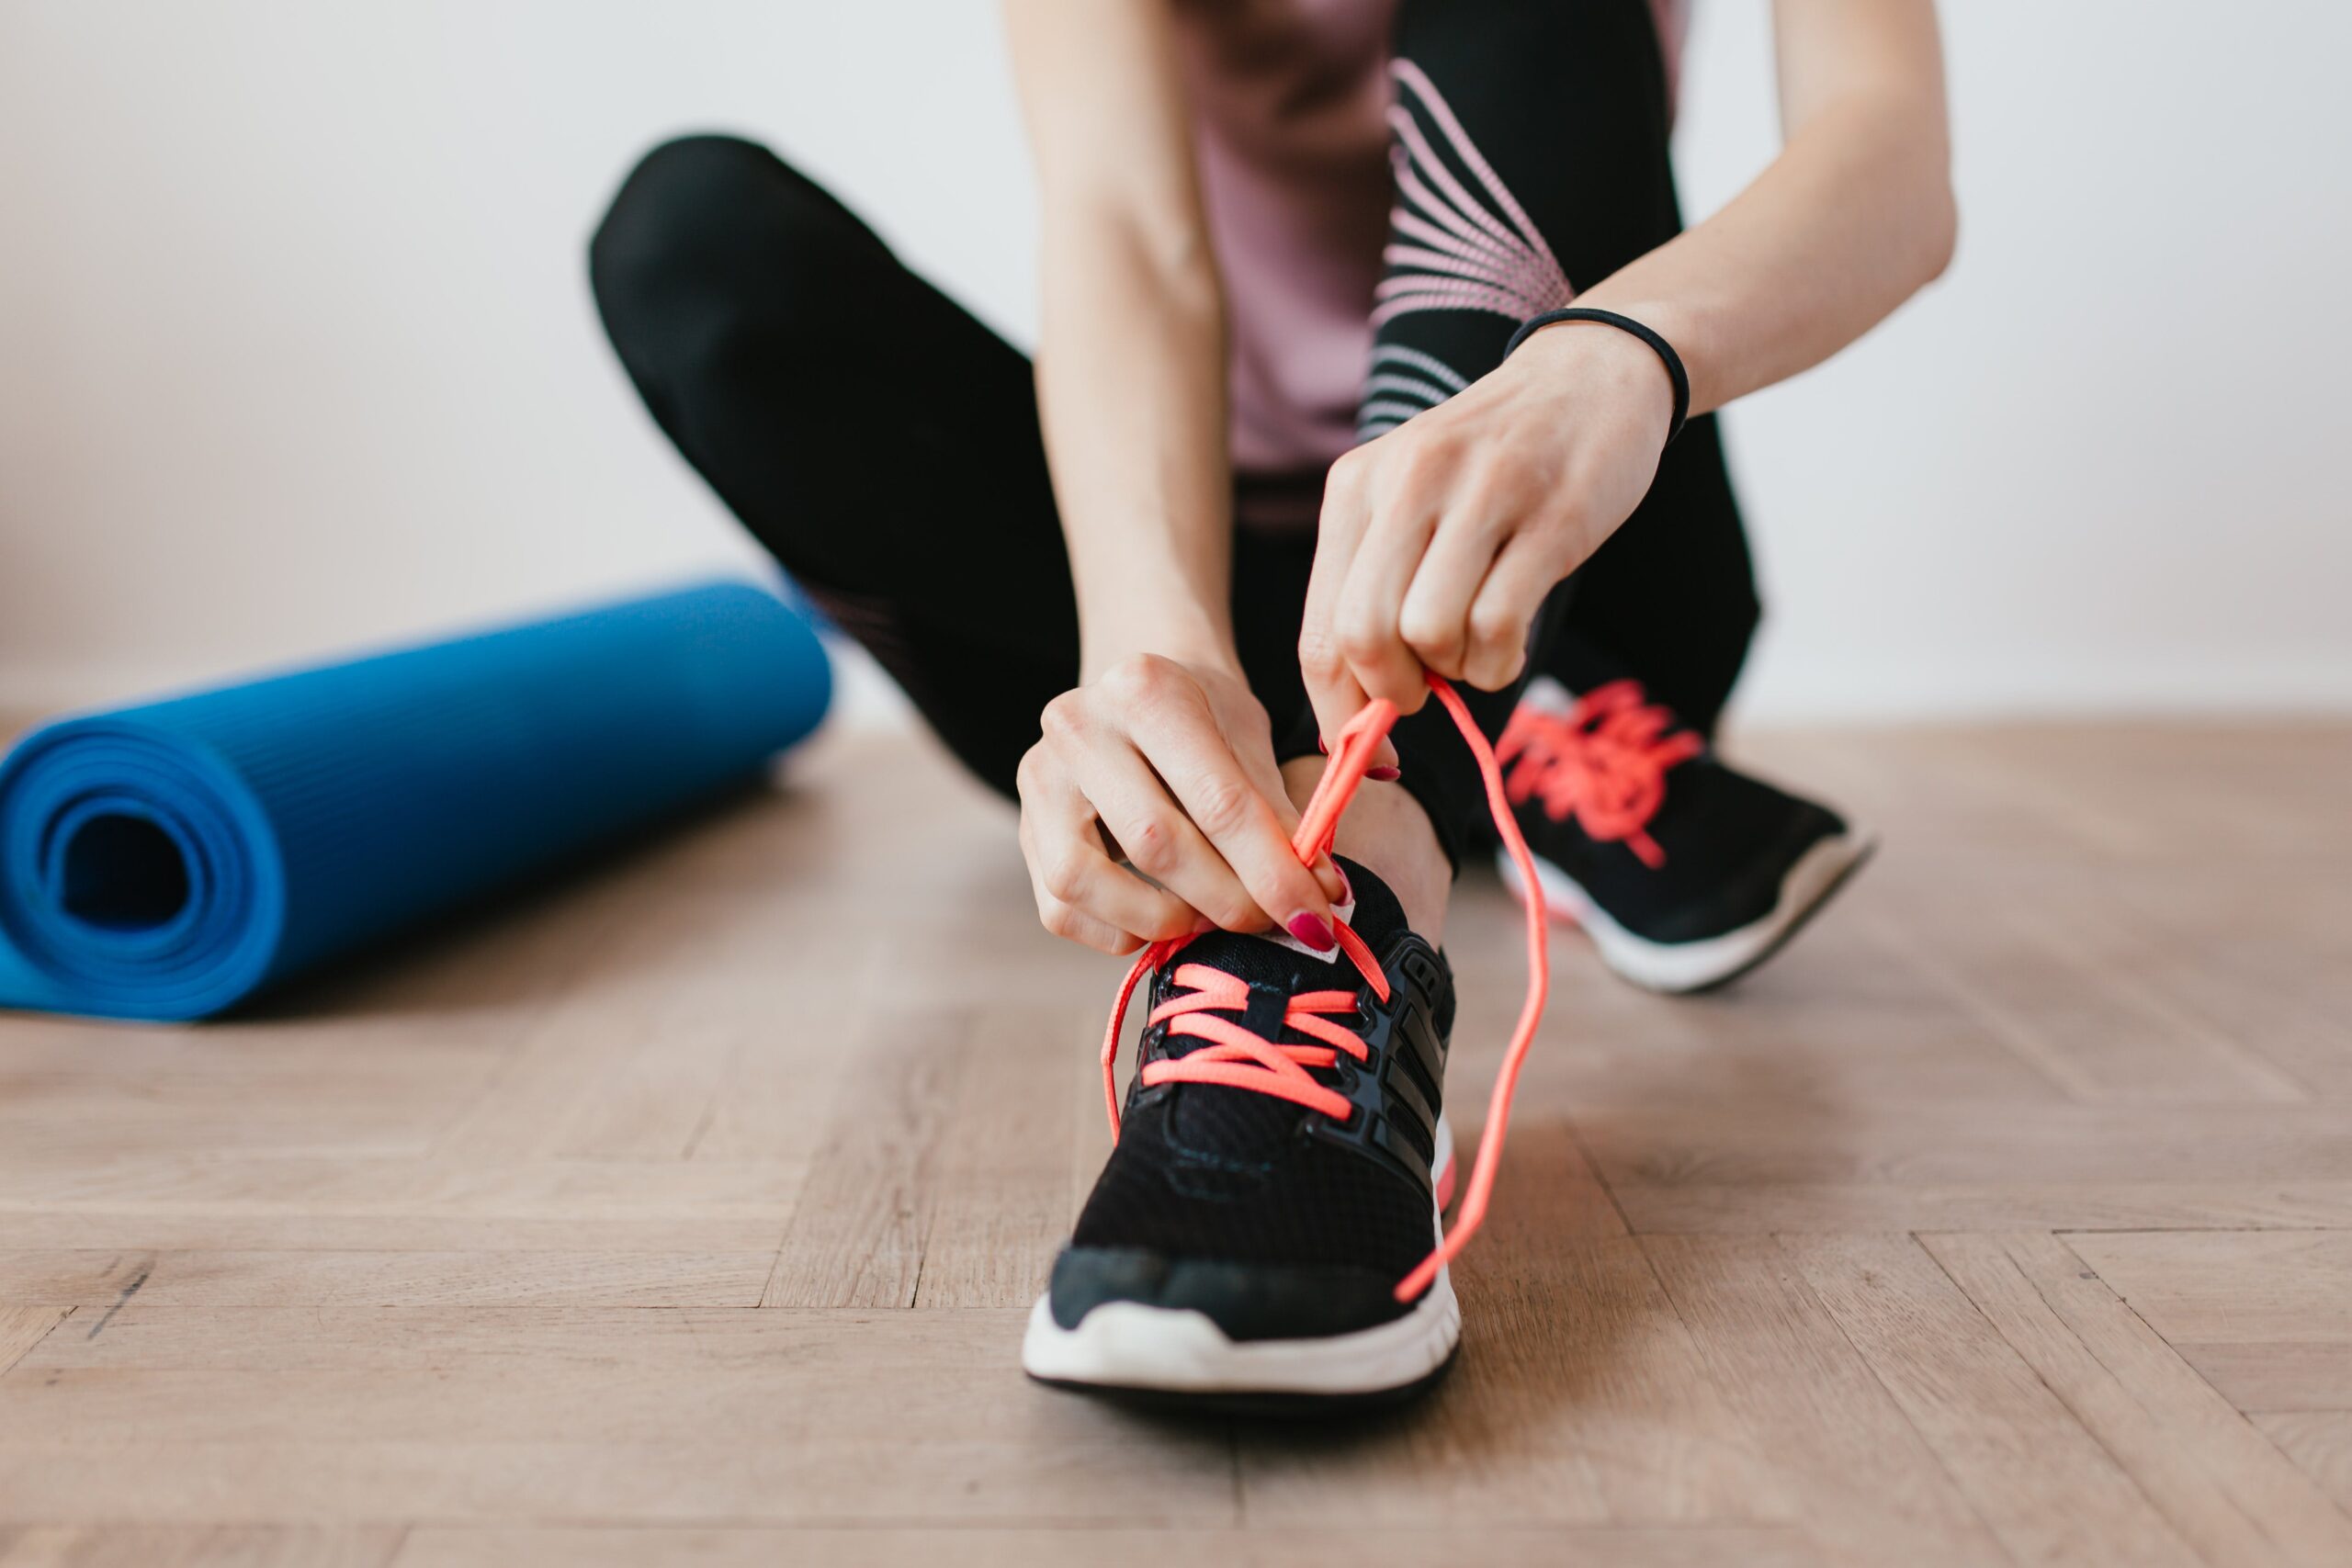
(1674, 371)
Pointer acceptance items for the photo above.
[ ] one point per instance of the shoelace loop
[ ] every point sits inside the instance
(1236, 1057)
(1604, 762)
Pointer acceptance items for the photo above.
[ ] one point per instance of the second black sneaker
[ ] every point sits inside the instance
(1282, 1160)
(1686, 873)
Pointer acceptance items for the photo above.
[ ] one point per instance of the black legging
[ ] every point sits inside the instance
(884, 444)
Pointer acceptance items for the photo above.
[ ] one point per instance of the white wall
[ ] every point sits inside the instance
(2100, 464)
(296, 350)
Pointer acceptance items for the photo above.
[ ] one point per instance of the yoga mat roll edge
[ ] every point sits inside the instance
(170, 859)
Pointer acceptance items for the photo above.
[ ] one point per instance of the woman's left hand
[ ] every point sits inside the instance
(1439, 540)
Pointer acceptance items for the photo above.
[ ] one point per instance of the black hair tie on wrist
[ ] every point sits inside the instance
(1664, 350)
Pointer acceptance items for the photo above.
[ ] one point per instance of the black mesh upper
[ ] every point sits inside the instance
(1203, 1171)
(1729, 840)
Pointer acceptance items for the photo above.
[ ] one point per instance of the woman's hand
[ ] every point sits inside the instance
(1439, 540)
(1170, 765)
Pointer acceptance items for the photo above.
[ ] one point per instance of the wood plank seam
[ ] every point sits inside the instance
(21, 1330)
(2248, 1421)
(2027, 1464)
(1917, 1432)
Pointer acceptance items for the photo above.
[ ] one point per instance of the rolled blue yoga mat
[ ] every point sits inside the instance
(168, 860)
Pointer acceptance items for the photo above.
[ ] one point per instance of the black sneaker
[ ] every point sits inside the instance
(1686, 873)
(1244, 1249)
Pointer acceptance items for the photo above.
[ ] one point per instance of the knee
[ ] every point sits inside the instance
(703, 227)
(670, 226)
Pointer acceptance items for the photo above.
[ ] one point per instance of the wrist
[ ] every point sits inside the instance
(1621, 352)
(1184, 633)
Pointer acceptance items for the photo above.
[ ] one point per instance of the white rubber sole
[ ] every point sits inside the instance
(1682, 967)
(1127, 1345)
(1132, 1346)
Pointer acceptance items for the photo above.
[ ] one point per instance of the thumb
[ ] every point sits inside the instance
(1257, 761)
(1336, 706)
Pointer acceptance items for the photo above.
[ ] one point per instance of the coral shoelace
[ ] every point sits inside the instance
(1604, 762)
(1237, 1058)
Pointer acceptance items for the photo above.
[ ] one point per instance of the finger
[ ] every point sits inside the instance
(1100, 893)
(1255, 752)
(1077, 886)
(1241, 825)
(1374, 599)
(1155, 832)
(1503, 613)
(1265, 775)
(1331, 686)
(1085, 929)
(1249, 736)
(1435, 619)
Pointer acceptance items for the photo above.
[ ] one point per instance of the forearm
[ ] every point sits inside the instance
(1131, 391)
(1131, 353)
(1854, 216)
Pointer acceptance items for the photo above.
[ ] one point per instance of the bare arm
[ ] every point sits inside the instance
(1131, 356)
(1162, 743)
(1439, 541)
(1851, 219)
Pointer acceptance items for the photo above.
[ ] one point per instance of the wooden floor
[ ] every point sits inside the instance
(690, 1211)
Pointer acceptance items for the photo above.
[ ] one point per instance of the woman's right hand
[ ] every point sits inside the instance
(1169, 766)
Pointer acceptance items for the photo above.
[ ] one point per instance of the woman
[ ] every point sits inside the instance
(1302, 426)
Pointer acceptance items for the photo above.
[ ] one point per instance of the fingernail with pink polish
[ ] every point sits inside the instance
(1384, 773)
(1310, 930)
(1347, 888)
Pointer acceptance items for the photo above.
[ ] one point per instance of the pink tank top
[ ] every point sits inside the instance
(1290, 99)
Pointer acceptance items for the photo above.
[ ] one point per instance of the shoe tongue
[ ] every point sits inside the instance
(1378, 918)
(1242, 1124)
